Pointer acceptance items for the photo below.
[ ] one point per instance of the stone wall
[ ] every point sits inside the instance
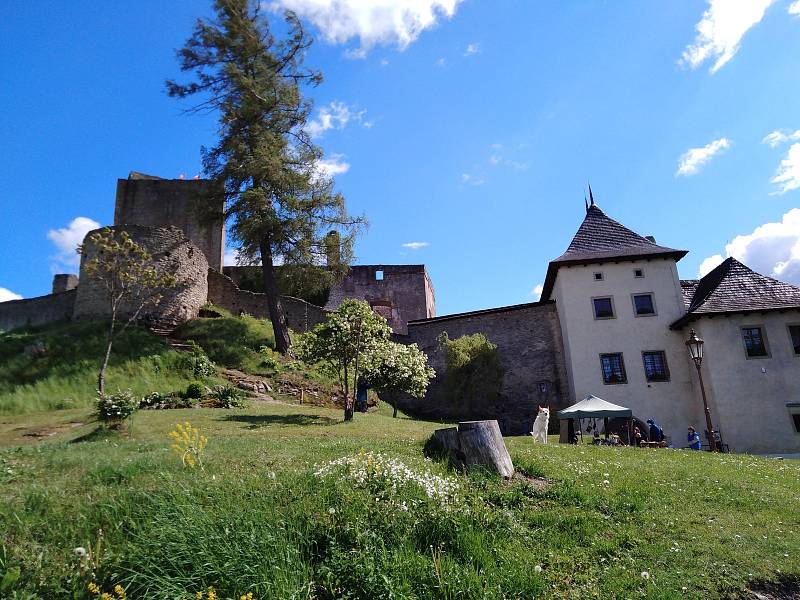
(401, 293)
(223, 292)
(528, 338)
(172, 252)
(64, 282)
(155, 202)
(37, 311)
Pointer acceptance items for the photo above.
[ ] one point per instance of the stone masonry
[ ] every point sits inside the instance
(528, 338)
(172, 252)
(155, 202)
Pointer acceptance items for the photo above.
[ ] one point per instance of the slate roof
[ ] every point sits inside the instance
(688, 287)
(600, 239)
(735, 288)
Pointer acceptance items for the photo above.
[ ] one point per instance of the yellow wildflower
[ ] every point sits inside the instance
(94, 588)
(120, 592)
(212, 593)
(106, 596)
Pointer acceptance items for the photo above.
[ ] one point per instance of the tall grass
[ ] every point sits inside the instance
(66, 375)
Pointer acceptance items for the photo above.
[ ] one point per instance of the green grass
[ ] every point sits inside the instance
(66, 377)
(257, 519)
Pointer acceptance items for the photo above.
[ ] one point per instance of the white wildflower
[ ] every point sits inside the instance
(645, 575)
(537, 568)
(80, 551)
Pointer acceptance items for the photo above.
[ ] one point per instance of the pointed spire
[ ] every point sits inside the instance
(585, 202)
(591, 196)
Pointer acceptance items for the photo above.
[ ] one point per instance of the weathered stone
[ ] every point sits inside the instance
(155, 202)
(172, 252)
(528, 339)
(29, 312)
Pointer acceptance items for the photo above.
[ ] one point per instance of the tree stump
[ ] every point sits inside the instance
(476, 444)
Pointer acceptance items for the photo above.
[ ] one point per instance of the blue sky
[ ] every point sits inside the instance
(467, 127)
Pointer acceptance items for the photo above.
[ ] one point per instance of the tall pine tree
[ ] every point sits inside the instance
(281, 204)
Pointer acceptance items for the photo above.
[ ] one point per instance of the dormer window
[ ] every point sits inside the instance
(598, 276)
(603, 307)
(638, 273)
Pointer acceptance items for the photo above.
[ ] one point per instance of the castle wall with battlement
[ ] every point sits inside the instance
(29, 312)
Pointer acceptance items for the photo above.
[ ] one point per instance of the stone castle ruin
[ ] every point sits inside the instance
(171, 218)
(164, 216)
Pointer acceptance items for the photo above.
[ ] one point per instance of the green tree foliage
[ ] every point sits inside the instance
(281, 203)
(400, 369)
(354, 342)
(473, 373)
(128, 279)
(311, 283)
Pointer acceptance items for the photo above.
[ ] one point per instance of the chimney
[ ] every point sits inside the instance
(651, 238)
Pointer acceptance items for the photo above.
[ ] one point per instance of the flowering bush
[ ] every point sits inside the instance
(97, 592)
(189, 444)
(115, 408)
(385, 477)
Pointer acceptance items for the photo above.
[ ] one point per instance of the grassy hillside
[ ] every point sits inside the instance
(66, 376)
(610, 523)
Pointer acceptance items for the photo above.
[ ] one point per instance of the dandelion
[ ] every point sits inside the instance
(331, 511)
(80, 551)
(537, 569)
(645, 575)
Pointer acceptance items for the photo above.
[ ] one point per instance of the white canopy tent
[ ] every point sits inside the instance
(593, 407)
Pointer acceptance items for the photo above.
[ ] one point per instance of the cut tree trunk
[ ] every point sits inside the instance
(476, 444)
(276, 316)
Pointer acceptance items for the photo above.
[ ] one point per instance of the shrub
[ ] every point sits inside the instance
(269, 360)
(199, 364)
(154, 398)
(473, 374)
(227, 396)
(195, 390)
(114, 408)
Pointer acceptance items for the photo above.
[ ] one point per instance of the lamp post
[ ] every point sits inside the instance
(695, 346)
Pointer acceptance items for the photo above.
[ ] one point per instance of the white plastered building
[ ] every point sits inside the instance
(625, 316)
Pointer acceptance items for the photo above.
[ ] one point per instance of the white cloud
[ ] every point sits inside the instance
(536, 292)
(332, 166)
(721, 29)
(794, 8)
(384, 62)
(373, 22)
(771, 249)
(415, 245)
(440, 62)
(6, 295)
(67, 239)
(472, 48)
(471, 179)
(231, 257)
(788, 174)
(778, 137)
(335, 115)
(709, 264)
(495, 159)
(690, 162)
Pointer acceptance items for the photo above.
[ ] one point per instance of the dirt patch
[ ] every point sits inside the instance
(49, 431)
(784, 588)
(538, 483)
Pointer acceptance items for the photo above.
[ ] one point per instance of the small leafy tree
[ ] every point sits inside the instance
(473, 373)
(400, 369)
(345, 342)
(128, 279)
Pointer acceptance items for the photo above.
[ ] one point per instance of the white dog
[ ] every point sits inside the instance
(539, 432)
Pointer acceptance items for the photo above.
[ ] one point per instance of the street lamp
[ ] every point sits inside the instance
(695, 346)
